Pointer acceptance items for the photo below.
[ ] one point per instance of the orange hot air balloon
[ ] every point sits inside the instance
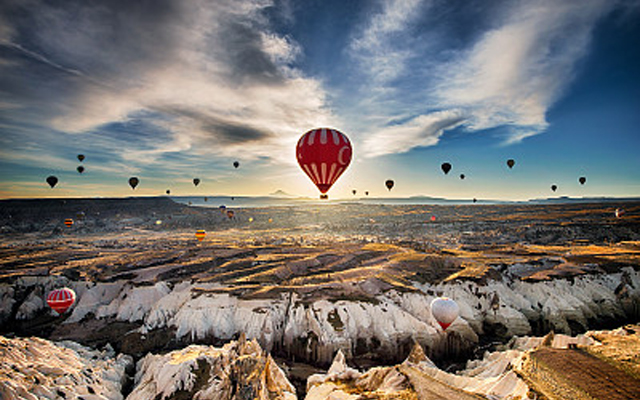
(68, 222)
(200, 234)
(61, 299)
(324, 154)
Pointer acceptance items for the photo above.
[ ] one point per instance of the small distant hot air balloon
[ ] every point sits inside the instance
(133, 182)
(475, 200)
(52, 181)
(445, 311)
(510, 163)
(619, 212)
(554, 187)
(81, 157)
(354, 192)
(250, 219)
(366, 193)
(389, 184)
(446, 167)
(270, 220)
(68, 222)
(80, 169)
(200, 234)
(158, 222)
(582, 180)
(61, 299)
(196, 181)
(168, 191)
(230, 214)
(236, 164)
(462, 176)
(324, 154)
(433, 218)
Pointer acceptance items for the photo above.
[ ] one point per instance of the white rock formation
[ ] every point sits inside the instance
(36, 369)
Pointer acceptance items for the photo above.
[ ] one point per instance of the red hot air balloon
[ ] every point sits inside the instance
(61, 299)
(324, 154)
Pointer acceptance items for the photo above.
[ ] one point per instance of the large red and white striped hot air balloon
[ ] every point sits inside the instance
(61, 299)
(324, 154)
(445, 311)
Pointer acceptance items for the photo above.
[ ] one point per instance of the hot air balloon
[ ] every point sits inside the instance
(510, 163)
(445, 311)
(250, 219)
(168, 191)
(236, 164)
(389, 184)
(52, 181)
(270, 220)
(68, 222)
(554, 187)
(158, 222)
(366, 193)
(200, 234)
(133, 182)
(354, 192)
(196, 181)
(80, 169)
(461, 176)
(619, 212)
(81, 157)
(61, 299)
(324, 154)
(433, 218)
(230, 214)
(446, 167)
(582, 180)
(475, 200)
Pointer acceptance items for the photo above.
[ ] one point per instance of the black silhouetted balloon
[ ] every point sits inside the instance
(52, 181)
(554, 187)
(582, 180)
(236, 164)
(366, 193)
(461, 176)
(389, 184)
(354, 192)
(168, 191)
(133, 182)
(510, 163)
(196, 181)
(475, 200)
(80, 169)
(446, 167)
(81, 157)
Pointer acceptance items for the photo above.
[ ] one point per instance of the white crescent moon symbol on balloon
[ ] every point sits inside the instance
(340, 155)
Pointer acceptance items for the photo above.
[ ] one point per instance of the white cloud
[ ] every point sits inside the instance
(424, 130)
(515, 72)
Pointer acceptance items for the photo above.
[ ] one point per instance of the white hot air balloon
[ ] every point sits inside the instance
(619, 212)
(445, 311)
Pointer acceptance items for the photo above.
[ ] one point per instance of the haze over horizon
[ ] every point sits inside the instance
(173, 90)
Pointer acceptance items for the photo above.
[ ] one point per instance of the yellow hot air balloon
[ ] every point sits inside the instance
(200, 234)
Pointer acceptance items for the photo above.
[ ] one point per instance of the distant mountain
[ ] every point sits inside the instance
(566, 199)
(281, 193)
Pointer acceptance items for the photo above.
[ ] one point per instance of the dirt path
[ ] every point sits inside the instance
(428, 388)
(589, 374)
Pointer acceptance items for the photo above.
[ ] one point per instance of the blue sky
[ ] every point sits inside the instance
(170, 90)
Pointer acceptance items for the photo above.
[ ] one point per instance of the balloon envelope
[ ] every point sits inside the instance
(446, 167)
(61, 299)
(582, 180)
(389, 184)
(133, 182)
(236, 164)
(230, 214)
(554, 187)
(68, 222)
(511, 163)
(619, 212)
(52, 181)
(80, 169)
(196, 181)
(81, 157)
(200, 234)
(324, 154)
(461, 176)
(168, 191)
(445, 311)
(354, 192)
